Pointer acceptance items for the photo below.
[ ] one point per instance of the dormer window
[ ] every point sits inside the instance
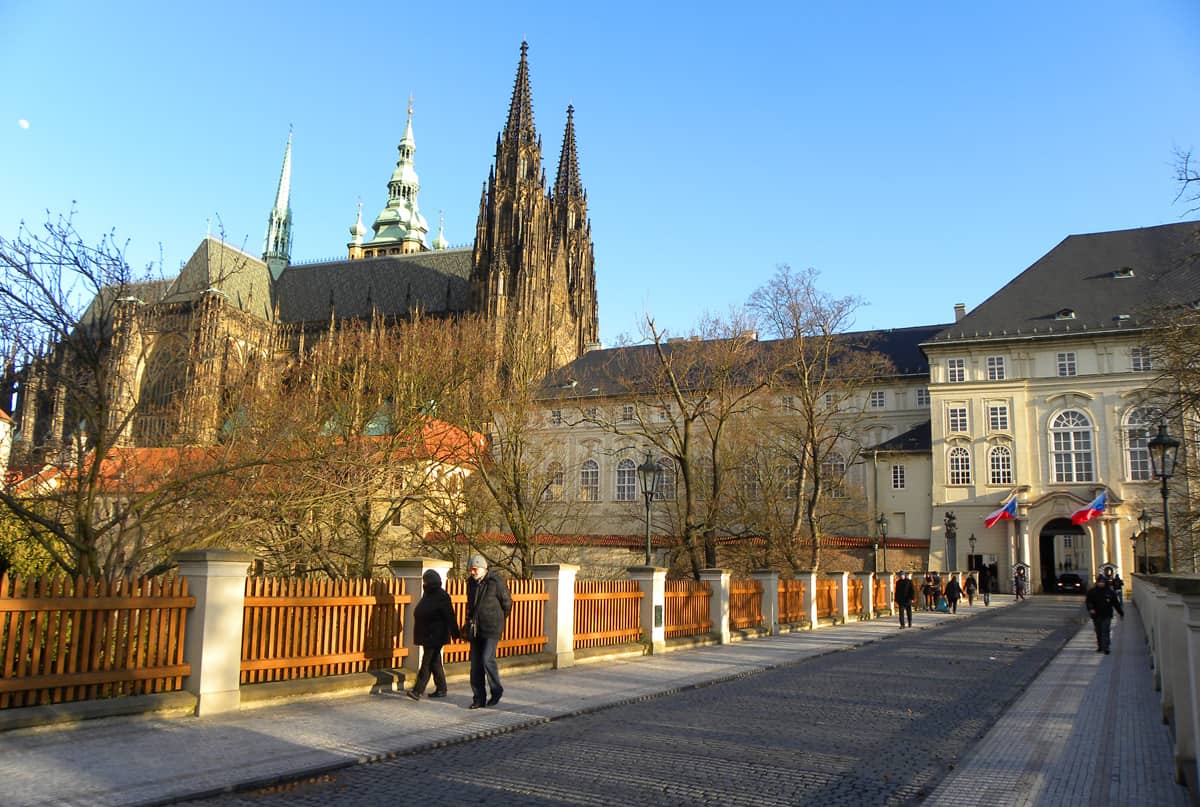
(1065, 313)
(1121, 317)
(1123, 272)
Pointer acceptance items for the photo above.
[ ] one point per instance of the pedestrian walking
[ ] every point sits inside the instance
(1114, 582)
(1101, 601)
(434, 626)
(1019, 582)
(971, 587)
(488, 605)
(928, 592)
(903, 596)
(953, 594)
(985, 584)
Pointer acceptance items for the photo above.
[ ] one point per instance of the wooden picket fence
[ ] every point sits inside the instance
(826, 598)
(745, 603)
(65, 640)
(687, 607)
(855, 592)
(880, 595)
(607, 612)
(791, 601)
(524, 631)
(299, 628)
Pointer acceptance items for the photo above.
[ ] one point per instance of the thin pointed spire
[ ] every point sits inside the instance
(519, 128)
(567, 183)
(277, 246)
(283, 196)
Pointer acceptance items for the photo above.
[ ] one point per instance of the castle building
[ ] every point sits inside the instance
(228, 315)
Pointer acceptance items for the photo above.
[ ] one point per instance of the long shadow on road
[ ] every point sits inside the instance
(878, 724)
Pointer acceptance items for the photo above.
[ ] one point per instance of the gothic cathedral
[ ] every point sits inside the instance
(229, 315)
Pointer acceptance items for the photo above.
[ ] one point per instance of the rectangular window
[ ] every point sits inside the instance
(591, 413)
(998, 417)
(789, 403)
(1067, 542)
(1140, 361)
(897, 477)
(556, 417)
(877, 400)
(958, 418)
(995, 368)
(830, 403)
(922, 396)
(956, 370)
(1066, 364)
(627, 412)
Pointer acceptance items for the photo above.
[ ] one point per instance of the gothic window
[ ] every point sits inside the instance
(1000, 466)
(589, 481)
(1139, 428)
(959, 466)
(1071, 447)
(626, 480)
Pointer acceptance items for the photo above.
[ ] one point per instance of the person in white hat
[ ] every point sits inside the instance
(488, 605)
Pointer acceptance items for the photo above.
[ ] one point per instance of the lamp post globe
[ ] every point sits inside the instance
(883, 528)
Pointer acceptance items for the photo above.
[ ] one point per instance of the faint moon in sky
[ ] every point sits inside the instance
(24, 124)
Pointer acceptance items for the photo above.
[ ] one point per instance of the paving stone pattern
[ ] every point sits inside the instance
(882, 723)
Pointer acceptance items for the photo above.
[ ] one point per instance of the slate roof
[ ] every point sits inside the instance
(610, 371)
(1111, 281)
(918, 439)
(438, 282)
(243, 278)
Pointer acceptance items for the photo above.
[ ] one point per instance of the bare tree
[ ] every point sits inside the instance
(1187, 177)
(821, 372)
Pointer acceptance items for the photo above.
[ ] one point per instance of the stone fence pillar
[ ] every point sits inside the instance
(213, 641)
(889, 581)
(559, 619)
(718, 604)
(868, 594)
(411, 571)
(842, 607)
(809, 576)
(653, 582)
(769, 579)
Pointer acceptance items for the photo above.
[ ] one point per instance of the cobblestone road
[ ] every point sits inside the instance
(879, 724)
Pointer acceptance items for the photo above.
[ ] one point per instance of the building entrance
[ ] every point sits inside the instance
(1063, 549)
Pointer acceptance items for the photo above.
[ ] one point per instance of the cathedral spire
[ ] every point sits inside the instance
(567, 183)
(519, 129)
(400, 227)
(277, 247)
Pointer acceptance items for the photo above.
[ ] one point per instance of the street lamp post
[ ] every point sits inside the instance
(971, 541)
(883, 525)
(1163, 449)
(649, 473)
(1144, 523)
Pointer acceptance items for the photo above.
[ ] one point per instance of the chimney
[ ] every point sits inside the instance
(960, 311)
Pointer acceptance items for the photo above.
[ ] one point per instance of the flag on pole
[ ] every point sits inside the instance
(1009, 510)
(1090, 510)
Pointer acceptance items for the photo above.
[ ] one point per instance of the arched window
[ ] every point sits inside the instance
(554, 483)
(626, 480)
(1000, 466)
(1071, 447)
(833, 470)
(666, 481)
(959, 464)
(1139, 428)
(589, 481)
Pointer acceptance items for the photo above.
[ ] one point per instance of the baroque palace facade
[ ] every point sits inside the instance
(228, 315)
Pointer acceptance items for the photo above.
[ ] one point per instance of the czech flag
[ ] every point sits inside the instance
(1090, 510)
(1009, 510)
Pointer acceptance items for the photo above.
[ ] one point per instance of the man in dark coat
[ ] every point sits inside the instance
(434, 625)
(953, 594)
(903, 596)
(985, 584)
(488, 605)
(1101, 601)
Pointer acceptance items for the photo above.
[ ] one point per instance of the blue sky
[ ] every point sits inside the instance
(918, 154)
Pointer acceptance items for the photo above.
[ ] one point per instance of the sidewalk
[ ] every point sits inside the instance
(144, 761)
(1088, 731)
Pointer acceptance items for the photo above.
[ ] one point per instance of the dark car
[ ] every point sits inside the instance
(1070, 584)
